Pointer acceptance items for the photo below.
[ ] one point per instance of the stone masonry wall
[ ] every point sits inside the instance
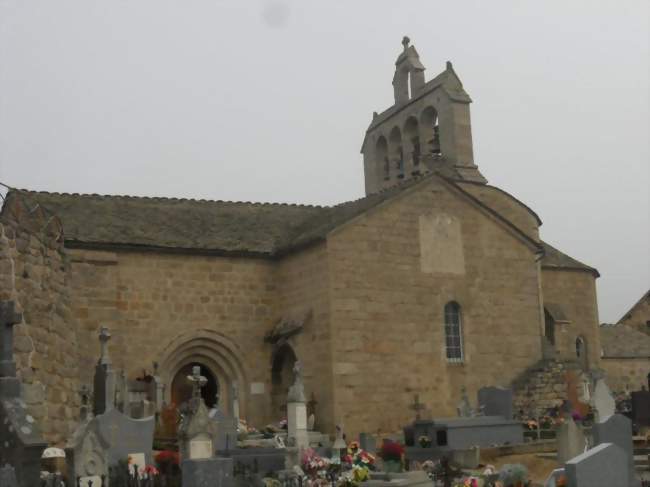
(155, 302)
(33, 272)
(303, 280)
(389, 286)
(575, 292)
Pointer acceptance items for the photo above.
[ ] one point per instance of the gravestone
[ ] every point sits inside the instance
(197, 430)
(617, 429)
(87, 452)
(464, 408)
(125, 435)
(495, 401)
(367, 443)
(602, 466)
(21, 442)
(226, 427)
(604, 402)
(104, 381)
(641, 408)
(207, 472)
(297, 411)
(570, 441)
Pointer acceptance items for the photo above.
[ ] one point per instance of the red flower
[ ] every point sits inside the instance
(167, 457)
(391, 450)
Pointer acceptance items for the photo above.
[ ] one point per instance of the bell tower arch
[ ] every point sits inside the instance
(433, 115)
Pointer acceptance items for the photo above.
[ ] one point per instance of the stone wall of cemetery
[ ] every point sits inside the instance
(626, 374)
(575, 292)
(175, 309)
(303, 279)
(33, 273)
(391, 276)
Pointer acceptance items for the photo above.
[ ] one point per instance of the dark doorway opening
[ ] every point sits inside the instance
(181, 390)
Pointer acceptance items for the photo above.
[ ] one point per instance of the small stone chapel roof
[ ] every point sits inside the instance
(221, 227)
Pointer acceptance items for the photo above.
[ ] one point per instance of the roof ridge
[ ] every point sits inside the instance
(164, 198)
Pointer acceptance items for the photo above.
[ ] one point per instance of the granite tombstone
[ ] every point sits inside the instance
(617, 430)
(602, 466)
(495, 401)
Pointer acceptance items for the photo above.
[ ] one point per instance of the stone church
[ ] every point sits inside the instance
(433, 281)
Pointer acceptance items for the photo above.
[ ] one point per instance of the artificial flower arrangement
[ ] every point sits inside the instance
(391, 451)
(349, 470)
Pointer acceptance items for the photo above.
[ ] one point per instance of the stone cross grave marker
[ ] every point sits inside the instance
(104, 380)
(602, 466)
(197, 430)
(417, 406)
(297, 411)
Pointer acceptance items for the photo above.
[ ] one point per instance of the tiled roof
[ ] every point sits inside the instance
(555, 259)
(174, 224)
(622, 341)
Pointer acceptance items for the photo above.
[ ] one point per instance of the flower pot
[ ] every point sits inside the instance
(392, 466)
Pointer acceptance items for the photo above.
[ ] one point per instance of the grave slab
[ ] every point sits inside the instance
(495, 401)
(617, 429)
(602, 466)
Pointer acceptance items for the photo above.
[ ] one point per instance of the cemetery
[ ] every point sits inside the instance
(129, 438)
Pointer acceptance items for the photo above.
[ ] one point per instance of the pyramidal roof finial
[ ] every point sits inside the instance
(405, 42)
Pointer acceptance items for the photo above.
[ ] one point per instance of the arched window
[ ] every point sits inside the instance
(453, 332)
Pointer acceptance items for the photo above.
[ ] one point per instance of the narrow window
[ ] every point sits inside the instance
(453, 332)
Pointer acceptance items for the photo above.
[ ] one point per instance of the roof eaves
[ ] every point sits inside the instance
(520, 233)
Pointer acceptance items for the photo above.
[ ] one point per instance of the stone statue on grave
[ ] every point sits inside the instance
(297, 390)
(464, 408)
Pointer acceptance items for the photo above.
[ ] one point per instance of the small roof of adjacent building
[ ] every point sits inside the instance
(622, 341)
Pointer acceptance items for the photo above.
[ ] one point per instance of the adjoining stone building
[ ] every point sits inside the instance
(433, 280)
(626, 348)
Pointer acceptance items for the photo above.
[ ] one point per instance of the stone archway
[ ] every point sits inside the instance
(218, 354)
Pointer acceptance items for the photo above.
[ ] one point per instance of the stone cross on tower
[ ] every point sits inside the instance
(417, 406)
(9, 384)
(405, 42)
(104, 380)
(104, 337)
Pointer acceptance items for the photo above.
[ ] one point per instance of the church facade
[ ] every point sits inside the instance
(433, 281)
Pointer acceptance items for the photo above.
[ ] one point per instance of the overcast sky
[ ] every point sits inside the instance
(260, 100)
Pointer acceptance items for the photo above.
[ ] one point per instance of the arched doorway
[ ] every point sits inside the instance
(281, 378)
(181, 390)
(216, 354)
